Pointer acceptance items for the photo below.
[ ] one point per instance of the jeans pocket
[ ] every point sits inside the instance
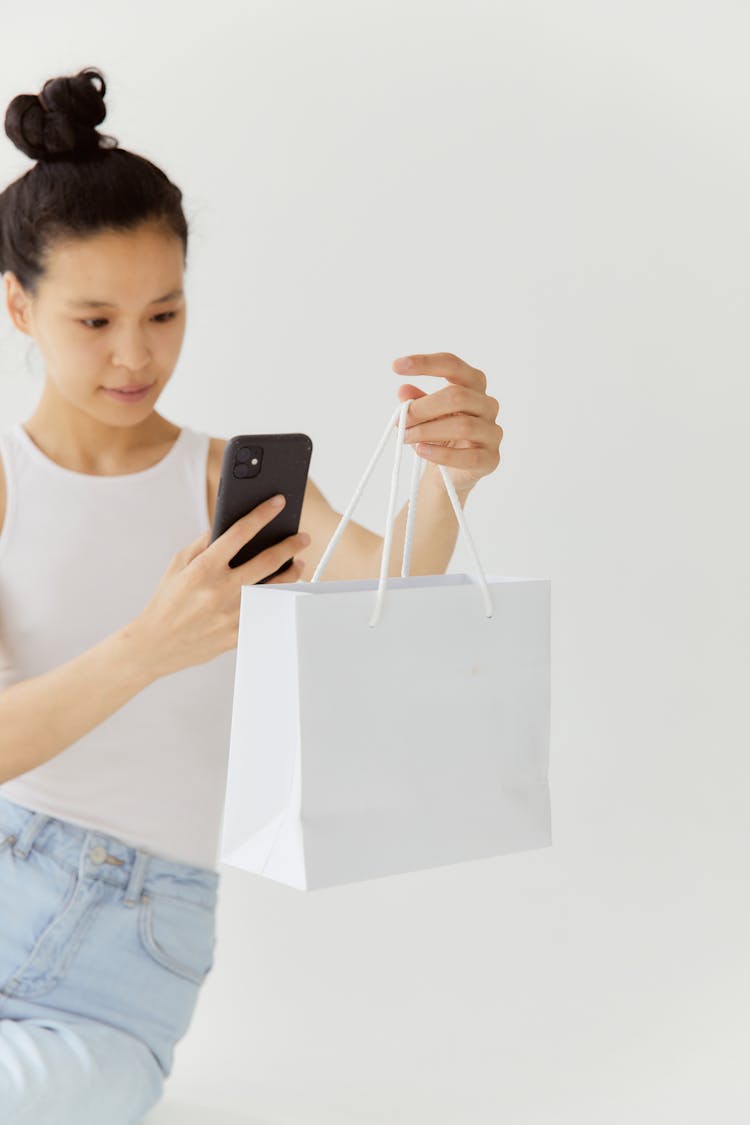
(178, 934)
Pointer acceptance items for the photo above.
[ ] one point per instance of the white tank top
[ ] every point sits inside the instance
(81, 556)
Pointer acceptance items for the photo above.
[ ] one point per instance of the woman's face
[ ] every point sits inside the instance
(133, 336)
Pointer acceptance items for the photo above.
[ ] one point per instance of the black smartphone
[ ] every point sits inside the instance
(254, 468)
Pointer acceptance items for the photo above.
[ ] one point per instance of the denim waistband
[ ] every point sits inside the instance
(95, 855)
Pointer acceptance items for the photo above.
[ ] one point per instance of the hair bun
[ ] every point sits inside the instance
(59, 122)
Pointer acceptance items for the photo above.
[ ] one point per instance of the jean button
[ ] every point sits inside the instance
(98, 854)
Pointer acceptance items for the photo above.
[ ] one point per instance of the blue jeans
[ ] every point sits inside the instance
(103, 951)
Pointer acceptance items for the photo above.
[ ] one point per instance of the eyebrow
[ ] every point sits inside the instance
(110, 305)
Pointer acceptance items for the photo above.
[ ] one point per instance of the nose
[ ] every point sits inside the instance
(131, 351)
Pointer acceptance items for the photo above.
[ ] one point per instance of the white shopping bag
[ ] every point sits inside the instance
(385, 726)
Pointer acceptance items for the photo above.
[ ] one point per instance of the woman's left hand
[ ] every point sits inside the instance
(454, 426)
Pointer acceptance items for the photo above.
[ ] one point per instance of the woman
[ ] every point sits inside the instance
(113, 750)
(108, 852)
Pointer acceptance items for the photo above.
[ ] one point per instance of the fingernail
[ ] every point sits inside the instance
(405, 363)
(305, 538)
(278, 501)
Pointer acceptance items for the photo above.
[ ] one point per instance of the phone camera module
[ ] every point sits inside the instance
(247, 461)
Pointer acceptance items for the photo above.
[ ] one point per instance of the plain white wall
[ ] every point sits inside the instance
(557, 193)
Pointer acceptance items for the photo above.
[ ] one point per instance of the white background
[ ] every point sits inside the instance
(557, 193)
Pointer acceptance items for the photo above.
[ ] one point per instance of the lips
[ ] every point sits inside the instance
(129, 390)
(131, 396)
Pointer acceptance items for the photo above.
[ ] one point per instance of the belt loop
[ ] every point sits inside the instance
(33, 827)
(137, 878)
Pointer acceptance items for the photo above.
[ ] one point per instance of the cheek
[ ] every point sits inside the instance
(177, 332)
(167, 346)
(78, 340)
(81, 357)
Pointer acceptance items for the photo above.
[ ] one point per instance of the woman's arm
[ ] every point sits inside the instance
(43, 715)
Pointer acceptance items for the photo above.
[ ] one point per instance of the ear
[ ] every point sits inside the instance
(17, 302)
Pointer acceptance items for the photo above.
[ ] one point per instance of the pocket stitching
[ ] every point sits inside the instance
(155, 950)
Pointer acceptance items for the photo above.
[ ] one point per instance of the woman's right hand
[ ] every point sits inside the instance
(194, 613)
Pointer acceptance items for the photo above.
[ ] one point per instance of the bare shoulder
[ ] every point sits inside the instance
(216, 447)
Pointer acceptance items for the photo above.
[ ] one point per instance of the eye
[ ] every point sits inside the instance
(95, 322)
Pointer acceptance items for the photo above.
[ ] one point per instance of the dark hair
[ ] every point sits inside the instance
(82, 183)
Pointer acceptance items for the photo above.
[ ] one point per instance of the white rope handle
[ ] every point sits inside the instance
(417, 469)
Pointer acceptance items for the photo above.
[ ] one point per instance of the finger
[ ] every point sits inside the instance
(269, 560)
(226, 546)
(452, 400)
(456, 427)
(291, 574)
(444, 364)
(199, 544)
(186, 554)
(477, 458)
